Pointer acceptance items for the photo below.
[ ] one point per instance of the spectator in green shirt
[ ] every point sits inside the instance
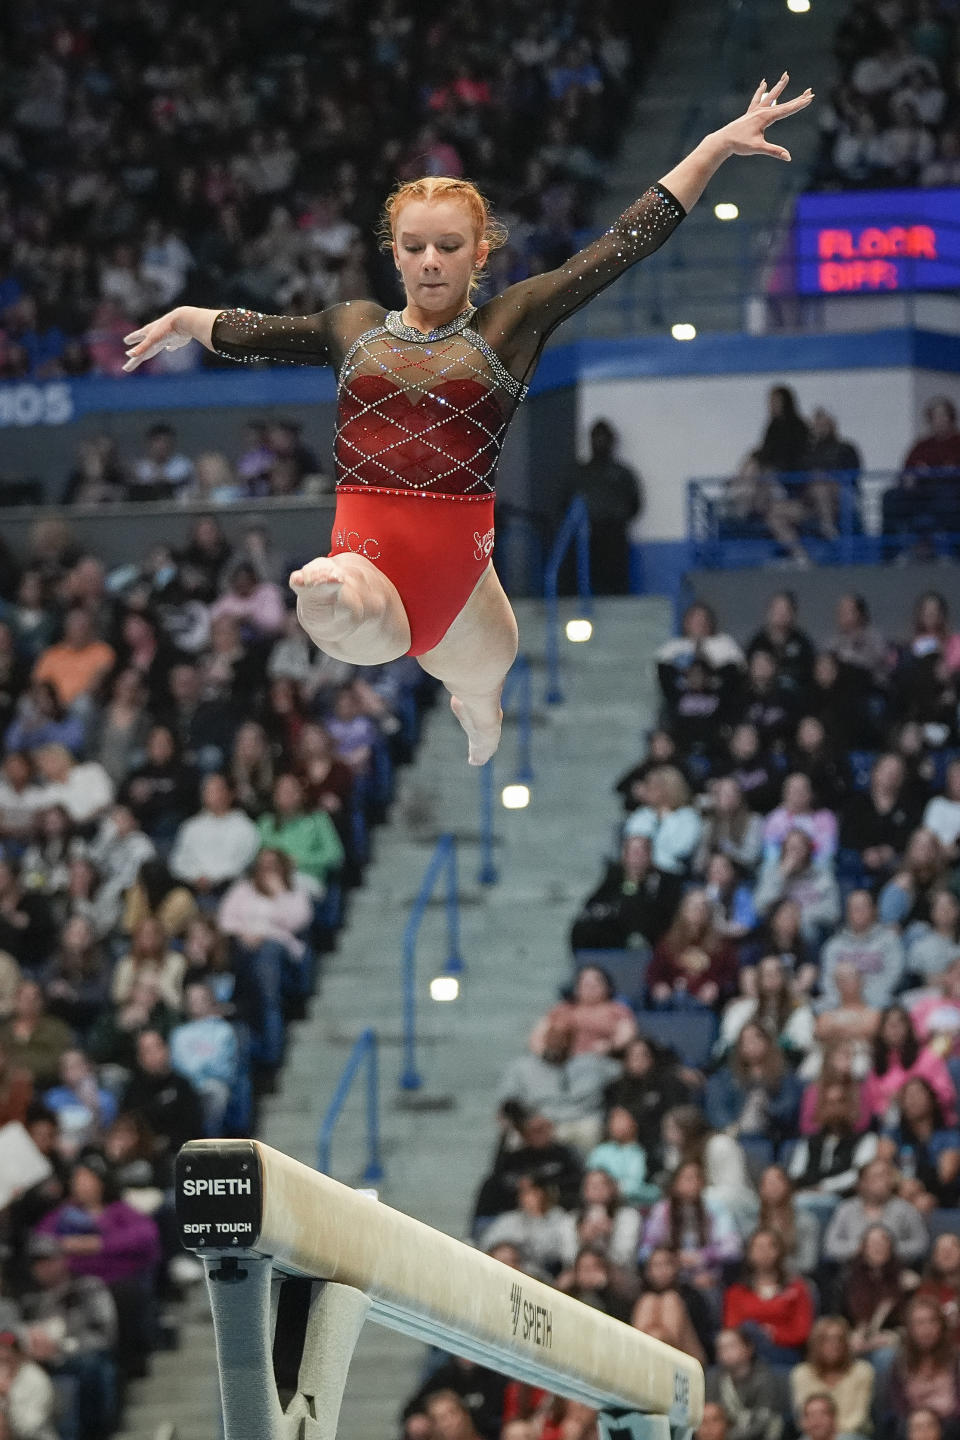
(310, 839)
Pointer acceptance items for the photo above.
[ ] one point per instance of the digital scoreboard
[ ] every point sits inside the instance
(872, 242)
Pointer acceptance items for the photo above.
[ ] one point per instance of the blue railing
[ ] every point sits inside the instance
(731, 520)
(575, 528)
(443, 860)
(519, 683)
(364, 1052)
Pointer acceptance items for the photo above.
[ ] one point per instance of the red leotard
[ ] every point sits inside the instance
(421, 418)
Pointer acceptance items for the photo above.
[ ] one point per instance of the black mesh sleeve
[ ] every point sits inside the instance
(292, 339)
(518, 322)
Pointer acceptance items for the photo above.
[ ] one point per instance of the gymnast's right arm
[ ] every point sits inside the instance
(235, 334)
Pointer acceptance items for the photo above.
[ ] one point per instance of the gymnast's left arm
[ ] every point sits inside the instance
(517, 322)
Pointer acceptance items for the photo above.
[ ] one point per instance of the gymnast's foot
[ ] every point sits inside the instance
(481, 718)
(325, 602)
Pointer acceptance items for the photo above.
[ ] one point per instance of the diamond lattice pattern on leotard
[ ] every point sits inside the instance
(422, 415)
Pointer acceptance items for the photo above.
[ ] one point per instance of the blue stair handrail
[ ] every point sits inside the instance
(519, 682)
(575, 527)
(363, 1052)
(444, 859)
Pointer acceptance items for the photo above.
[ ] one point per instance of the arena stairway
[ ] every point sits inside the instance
(710, 58)
(514, 942)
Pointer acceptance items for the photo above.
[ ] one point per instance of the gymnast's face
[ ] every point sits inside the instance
(436, 249)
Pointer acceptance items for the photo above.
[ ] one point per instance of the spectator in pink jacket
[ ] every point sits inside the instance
(257, 604)
(897, 1058)
(266, 905)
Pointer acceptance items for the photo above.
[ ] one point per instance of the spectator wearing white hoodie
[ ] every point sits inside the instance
(215, 846)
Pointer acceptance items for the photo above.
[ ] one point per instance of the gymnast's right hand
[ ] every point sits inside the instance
(170, 332)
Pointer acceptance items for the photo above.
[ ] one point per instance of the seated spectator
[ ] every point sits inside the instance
(161, 792)
(897, 1058)
(794, 874)
(256, 603)
(819, 1418)
(598, 1023)
(538, 1153)
(926, 1369)
(922, 684)
(101, 1235)
(826, 1164)
(941, 1279)
(773, 1309)
(853, 1022)
(692, 962)
(215, 846)
(83, 1109)
(924, 1149)
(877, 823)
(84, 789)
(754, 1093)
(252, 769)
(688, 1137)
(813, 754)
(872, 1293)
(858, 645)
(876, 1203)
(768, 703)
(309, 837)
(751, 1393)
(328, 782)
(622, 1157)
(781, 636)
(150, 957)
(168, 1103)
(874, 951)
(922, 502)
(700, 640)
(797, 1227)
(208, 550)
(701, 1230)
(568, 1089)
(538, 1227)
(732, 898)
(934, 947)
(353, 731)
(207, 954)
(16, 1089)
(752, 769)
(632, 906)
(775, 1007)
(155, 895)
(30, 616)
(831, 1368)
(89, 898)
(45, 864)
(696, 710)
(204, 1050)
(114, 1038)
(32, 1039)
(781, 934)
(29, 1401)
(27, 932)
(20, 798)
(731, 828)
(117, 733)
(71, 1329)
(797, 813)
(665, 1309)
(482, 1391)
(268, 906)
(669, 820)
(76, 666)
(161, 471)
(606, 1219)
(120, 848)
(942, 815)
(230, 670)
(649, 1084)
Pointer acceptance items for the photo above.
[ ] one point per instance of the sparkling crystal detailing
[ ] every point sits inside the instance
(398, 327)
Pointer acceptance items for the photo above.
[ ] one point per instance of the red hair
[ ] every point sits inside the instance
(432, 189)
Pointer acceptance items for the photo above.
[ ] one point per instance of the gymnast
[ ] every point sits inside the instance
(424, 398)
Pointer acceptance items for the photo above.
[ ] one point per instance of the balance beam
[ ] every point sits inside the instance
(255, 1216)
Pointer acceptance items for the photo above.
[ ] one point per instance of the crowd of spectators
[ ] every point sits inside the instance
(738, 1128)
(156, 152)
(803, 481)
(892, 117)
(186, 794)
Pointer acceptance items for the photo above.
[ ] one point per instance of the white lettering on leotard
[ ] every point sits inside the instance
(482, 544)
(350, 540)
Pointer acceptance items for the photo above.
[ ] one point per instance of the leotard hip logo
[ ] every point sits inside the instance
(482, 544)
(350, 540)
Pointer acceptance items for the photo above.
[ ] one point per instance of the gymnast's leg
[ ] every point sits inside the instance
(472, 661)
(351, 610)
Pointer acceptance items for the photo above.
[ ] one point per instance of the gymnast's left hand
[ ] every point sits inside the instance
(746, 135)
(170, 332)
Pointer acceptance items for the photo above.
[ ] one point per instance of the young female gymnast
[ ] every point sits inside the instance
(424, 398)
